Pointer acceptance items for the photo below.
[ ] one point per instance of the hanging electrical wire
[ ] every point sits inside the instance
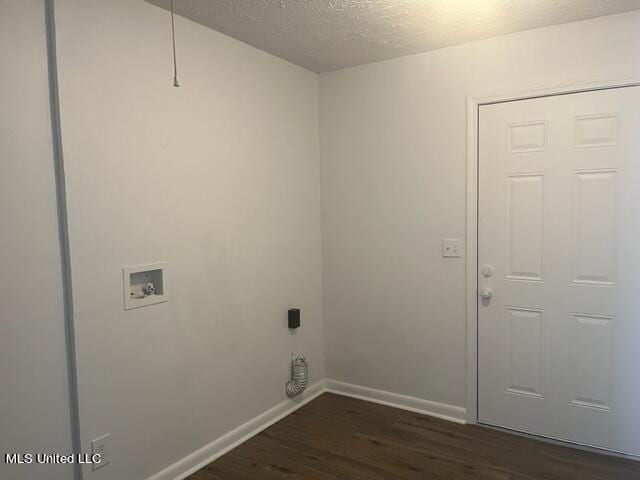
(173, 38)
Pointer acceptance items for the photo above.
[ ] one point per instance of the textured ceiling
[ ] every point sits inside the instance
(324, 35)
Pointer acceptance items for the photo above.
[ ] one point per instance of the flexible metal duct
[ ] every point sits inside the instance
(299, 375)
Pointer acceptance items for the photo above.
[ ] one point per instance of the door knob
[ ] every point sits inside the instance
(487, 293)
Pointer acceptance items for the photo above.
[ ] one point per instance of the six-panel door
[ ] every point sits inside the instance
(559, 223)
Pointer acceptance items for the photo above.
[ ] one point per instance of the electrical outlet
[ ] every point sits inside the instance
(452, 248)
(99, 447)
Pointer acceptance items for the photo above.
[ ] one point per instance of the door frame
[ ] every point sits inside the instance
(474, 102)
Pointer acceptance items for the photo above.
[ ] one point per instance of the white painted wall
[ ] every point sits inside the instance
(393, 153)
(220, 178)
(33, 370)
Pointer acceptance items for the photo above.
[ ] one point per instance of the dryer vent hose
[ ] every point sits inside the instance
(299, 375)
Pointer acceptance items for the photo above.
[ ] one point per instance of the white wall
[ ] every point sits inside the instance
(33, 371)
(393, 153)
(220, 178)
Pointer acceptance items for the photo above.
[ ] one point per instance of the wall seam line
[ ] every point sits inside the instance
(63, 231)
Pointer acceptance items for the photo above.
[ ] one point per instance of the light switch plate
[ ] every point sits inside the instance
(452, 248)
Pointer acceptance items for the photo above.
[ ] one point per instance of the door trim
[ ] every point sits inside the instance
(474, 102)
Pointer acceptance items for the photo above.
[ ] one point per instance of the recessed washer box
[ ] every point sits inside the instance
(145, 285)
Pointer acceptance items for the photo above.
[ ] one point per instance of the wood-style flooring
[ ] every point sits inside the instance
(336, 437)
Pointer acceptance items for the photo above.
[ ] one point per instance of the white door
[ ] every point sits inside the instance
(559, 257)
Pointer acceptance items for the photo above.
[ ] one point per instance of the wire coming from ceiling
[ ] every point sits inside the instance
(173, 39)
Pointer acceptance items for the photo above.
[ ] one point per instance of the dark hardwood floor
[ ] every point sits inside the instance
(336, 437)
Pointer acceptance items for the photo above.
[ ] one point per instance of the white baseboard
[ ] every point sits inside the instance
(404, 402)
(207, 454)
